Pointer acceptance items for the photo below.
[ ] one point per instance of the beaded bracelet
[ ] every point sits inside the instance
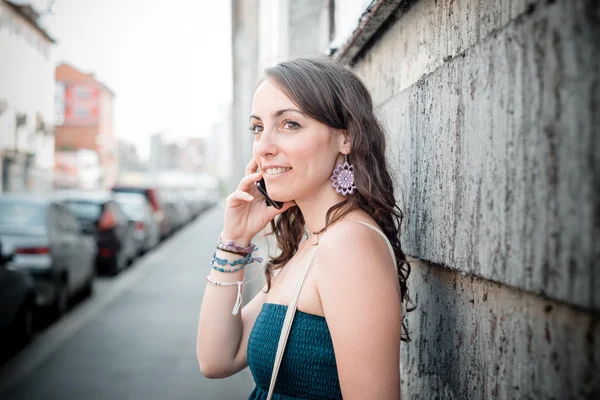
(224, 261)
(242, 261)
(228, 270)
(232, 248)
(238, 300)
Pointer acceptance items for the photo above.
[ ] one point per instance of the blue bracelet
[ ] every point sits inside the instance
(228, 270)
(242, 261)
(223, 261)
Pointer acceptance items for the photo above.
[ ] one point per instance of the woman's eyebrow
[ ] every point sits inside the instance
(280, 112)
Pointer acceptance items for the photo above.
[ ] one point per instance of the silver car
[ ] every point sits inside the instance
(48, 243)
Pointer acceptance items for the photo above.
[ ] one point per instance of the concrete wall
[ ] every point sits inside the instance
(475, 339)
(245, 75)
(492, 110)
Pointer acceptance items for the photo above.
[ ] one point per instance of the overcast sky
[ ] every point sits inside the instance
(168, 62)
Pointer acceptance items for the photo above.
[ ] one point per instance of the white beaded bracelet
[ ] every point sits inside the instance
(238, 301)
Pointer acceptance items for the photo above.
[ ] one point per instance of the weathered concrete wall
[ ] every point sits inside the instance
(474, 339)
(492, 110)
(499, 150)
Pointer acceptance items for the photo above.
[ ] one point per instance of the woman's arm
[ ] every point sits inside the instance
(222, 337)
(359, 291)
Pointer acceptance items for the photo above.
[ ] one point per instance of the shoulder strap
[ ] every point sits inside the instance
(390, 248)
(287, 325)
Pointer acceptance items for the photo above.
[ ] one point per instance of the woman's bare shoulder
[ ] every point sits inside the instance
(350, 233)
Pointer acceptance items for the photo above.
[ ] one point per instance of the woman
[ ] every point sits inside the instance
(320, 150)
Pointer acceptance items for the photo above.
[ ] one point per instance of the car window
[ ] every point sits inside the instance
(85, 209)
(134, 206)
(17, 213)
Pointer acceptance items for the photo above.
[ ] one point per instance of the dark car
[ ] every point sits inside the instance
(158, 207)
(17, 305)
(114, 234)
(49, 244)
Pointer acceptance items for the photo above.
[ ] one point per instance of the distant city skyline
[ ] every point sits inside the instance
(168, 63)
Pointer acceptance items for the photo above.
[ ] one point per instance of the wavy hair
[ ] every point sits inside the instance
(336, 97)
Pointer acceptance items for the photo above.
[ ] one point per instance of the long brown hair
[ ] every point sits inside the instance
(334, 96)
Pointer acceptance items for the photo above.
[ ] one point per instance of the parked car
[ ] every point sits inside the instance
(17, 306)
(116, 247)
(139, 211)
(177, 208)
(49, 244)
(158, 208)
(193, 201)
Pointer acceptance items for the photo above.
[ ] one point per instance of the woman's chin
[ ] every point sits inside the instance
(280, 196)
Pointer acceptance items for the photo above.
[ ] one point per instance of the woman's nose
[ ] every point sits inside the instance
(265, 144)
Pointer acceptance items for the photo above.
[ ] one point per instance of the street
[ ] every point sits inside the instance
(135, 337)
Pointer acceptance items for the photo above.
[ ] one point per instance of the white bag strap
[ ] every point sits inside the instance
(287, 325)
(391, 249)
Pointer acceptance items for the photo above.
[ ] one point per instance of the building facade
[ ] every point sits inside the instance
(491, 114)
(132, 170)
(84, 112)
(177, 160)
(26, 101)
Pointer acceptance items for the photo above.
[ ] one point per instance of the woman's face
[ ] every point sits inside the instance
(295, 153)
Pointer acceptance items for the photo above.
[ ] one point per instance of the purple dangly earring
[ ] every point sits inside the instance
(343, 178)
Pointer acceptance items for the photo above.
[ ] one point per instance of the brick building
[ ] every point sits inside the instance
(84, 107)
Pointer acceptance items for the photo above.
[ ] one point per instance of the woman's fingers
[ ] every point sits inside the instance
(248, 181)
(251, 167)
(240, 195)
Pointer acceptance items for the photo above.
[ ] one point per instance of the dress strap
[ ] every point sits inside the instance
(391, 249)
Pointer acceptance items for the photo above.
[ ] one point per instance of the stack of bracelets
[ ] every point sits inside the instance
(218, 264)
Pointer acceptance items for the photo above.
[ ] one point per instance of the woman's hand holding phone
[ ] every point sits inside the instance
(246, 212)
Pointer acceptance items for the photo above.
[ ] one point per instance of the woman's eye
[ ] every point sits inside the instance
(256, 128)
(291, 125)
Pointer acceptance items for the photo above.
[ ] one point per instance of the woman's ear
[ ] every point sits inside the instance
(345, 141)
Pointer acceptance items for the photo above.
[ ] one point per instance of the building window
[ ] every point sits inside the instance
(81, 112)
(82, 92)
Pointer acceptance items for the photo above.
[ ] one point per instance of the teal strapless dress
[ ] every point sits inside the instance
(308, 368)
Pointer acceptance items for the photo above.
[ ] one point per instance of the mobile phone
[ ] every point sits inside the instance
(262, 188)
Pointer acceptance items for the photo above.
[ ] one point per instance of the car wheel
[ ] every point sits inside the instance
(88, 289)
(114, 267)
